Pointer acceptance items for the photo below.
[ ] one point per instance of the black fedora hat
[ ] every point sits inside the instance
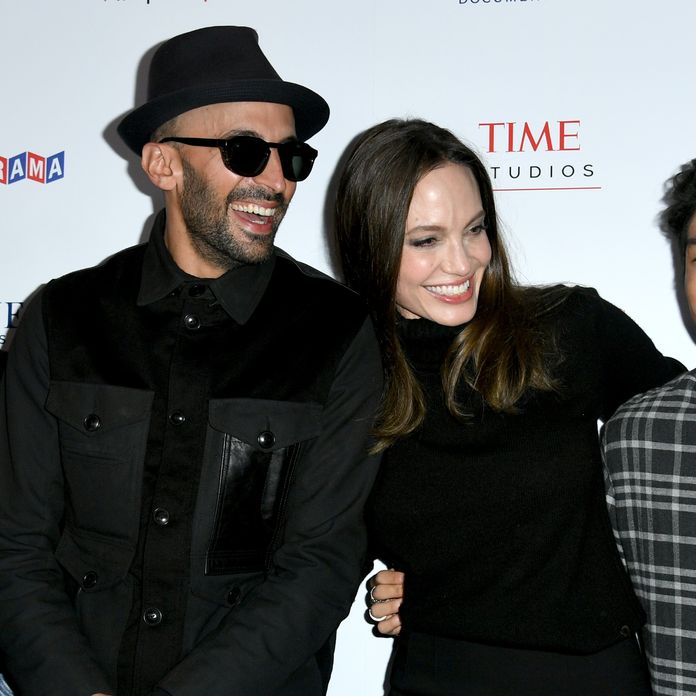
(210, 66)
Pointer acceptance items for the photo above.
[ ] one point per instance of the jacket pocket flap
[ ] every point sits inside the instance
(264, 423)
(94, 562)
(97, 407)
(223, 589)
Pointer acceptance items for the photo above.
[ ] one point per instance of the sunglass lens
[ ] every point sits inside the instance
(246, 155)
(297, 160)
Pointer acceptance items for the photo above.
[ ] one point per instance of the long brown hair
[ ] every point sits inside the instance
(501, 352)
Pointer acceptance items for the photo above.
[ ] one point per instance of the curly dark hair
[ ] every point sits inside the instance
(680, 199)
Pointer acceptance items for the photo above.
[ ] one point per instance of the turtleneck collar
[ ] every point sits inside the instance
(426, 342)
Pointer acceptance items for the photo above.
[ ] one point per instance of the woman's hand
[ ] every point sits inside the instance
(384, 597)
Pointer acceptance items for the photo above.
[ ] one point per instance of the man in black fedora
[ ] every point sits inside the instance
(184, 429)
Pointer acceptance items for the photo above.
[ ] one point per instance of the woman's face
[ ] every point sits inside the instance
(446, 249)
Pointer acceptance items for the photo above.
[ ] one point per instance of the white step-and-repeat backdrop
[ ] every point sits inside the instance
(581, 109)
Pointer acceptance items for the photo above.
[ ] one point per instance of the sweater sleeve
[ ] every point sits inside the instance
(630, 362)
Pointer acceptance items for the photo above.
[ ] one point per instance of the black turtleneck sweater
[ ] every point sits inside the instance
(500, 523)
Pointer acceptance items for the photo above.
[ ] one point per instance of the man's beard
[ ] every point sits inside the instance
(209, 226)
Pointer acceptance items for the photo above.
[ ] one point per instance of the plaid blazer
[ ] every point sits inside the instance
(649, 450)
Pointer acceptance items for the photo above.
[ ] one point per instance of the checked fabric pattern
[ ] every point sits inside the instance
(650, 462)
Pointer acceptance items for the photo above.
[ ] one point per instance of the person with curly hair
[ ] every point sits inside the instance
(650, 457)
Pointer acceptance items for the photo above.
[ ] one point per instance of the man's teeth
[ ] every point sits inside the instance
(254, 209)
(450, 289)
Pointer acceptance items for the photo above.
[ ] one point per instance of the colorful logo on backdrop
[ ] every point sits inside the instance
(537, 156)
(8, 317)
(30, 166)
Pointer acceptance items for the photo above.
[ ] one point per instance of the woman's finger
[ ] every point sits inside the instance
(391, 626)
(381, 609)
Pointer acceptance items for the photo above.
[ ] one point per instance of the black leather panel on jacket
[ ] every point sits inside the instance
(258, 442)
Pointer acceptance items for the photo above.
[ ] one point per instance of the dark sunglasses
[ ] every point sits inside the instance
(247, 155)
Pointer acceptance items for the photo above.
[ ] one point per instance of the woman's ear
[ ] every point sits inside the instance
(162, 164)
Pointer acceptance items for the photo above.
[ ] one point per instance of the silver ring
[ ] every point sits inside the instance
(373, 599)
(376, 619)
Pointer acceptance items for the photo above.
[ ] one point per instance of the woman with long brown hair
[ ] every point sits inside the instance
(490, 497)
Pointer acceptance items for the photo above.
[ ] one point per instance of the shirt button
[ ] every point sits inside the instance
(89, 580)
(161, 517)
(152, 616)
(266, 439)
(625, 631)
(192, 322)
(196, 290)
(177, 418)
(92, 422)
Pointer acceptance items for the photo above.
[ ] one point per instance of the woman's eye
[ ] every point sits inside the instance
(424, 242)
(478, 229)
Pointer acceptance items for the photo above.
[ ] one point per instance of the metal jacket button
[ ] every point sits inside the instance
(152, 616)
(161, 516)
(92, 422)
(625, 631)
(177, 417)
(192, 322)
(266, 439)
(89, 580)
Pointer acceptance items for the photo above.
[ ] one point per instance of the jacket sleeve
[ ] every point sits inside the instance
(45, 651)
(285, 620)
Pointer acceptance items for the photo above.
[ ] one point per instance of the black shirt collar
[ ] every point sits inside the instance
(238, 291)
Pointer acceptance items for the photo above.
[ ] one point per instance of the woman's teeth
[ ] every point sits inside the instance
(449, 290)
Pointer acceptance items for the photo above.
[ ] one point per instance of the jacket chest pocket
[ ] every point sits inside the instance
(103, 433)
(256, 445)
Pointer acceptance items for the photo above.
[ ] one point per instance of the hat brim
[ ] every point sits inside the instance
(311, 111)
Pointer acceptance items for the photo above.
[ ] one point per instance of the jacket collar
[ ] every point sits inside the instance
(238, 291)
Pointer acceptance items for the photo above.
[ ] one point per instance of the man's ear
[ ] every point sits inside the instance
(162, 164)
